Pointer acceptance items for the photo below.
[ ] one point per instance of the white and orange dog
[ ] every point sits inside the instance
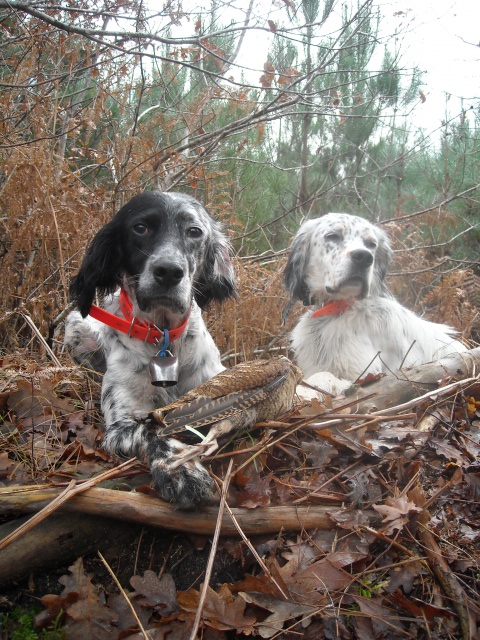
(337, 265)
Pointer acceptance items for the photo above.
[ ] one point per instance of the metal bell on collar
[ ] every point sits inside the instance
(164, 366)
(163, 370)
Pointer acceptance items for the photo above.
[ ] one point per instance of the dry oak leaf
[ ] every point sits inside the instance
(267, 78)
(349, 518)
(404, 576)
(258, 584)
(288, 76)
(158, 593)
(383, 620)
(282, 612)
(28, 401)
(369, 378)
(126, 621)
(448, 451)
(313, 585)
(91, 619)
(221, 610)
(318, 453)
(6, 464)
(86, 613)
(257, 493)
(396, 512)
(419, 609)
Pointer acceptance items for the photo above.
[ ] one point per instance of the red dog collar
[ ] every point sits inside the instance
(145, 331)
(333, 308)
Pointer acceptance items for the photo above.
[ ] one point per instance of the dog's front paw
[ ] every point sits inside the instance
(187, 486)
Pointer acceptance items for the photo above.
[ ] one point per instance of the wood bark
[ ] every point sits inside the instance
(149, 510)
(57, 541)
(391, 391)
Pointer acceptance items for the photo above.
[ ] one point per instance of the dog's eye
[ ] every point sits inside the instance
(194, 232)
(370, 244)
(140, 229)
(333, 237)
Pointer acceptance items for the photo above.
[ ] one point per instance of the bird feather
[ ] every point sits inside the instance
(204, 411)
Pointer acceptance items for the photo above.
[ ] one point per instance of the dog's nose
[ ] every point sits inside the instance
(362, 258)
(168, 274)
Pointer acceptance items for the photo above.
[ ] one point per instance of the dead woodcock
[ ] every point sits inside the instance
(250, 392)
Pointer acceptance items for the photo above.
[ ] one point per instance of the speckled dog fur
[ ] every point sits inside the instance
(152, 235)
(342, 256)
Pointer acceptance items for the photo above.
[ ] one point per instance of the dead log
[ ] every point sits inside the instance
(393, 390)
(149, 510)
(57, 541)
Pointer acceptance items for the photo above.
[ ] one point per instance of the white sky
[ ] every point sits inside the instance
(442, 38)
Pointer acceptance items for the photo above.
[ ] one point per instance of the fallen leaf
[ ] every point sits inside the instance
(125, 617)
(158, 593)
(450, 452)
(221, 610)
(257, 493)
(417, 608)
(318, 453)
(383, 619)
(404, 576)
(282, 613)
(396, 512)
(349, 518)
(86, 613)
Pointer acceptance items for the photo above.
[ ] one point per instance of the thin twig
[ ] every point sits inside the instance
(254, 552)
(211, 559)
(71, 490)
(36, 331)
(127, 599)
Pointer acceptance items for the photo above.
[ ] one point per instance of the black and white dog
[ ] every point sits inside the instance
(337, 265)
(157, 262)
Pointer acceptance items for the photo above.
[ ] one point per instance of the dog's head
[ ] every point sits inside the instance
(165, 250)
(337, 256)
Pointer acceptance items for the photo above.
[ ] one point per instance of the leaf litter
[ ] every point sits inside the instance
(364, 577)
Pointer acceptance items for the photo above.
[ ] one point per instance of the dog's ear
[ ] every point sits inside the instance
(100, 270)
(294, 274)
(216, 281)
(383, 257)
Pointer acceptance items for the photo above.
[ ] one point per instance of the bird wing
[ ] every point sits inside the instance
(246, 376)
(204, 411)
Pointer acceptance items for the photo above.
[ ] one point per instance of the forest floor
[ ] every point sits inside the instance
(396, 555)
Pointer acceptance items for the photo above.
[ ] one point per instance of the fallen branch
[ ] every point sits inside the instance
(149, 510)
(57, 541)
(465, 608)
(395, 391)
(66, 494)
